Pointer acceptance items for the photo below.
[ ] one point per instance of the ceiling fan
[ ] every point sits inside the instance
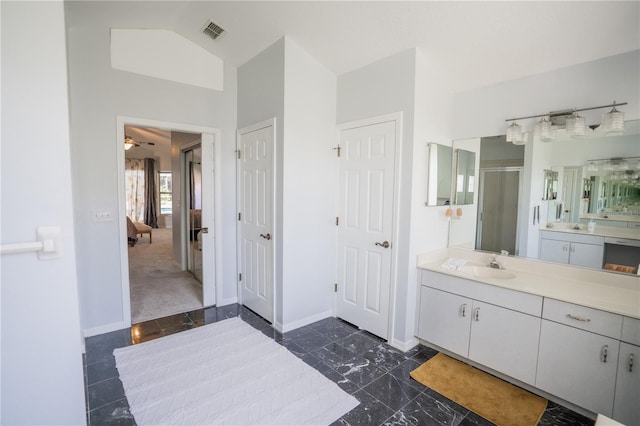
(129, 143)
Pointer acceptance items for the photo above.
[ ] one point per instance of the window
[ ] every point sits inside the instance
(165, 192)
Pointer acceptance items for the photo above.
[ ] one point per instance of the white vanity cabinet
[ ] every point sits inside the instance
(504, 340)
(444, 320)
(578, 356)
(626, 406)
(573, 249)
(498, 328)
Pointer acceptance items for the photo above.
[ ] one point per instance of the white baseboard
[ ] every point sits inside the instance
(225, 302)
(283, 328)
(107, 328)
(404, 346)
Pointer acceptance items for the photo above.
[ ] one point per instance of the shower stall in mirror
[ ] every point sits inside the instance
(193, 182)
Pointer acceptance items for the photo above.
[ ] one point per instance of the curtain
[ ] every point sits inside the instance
(150, 196)
(134, 183)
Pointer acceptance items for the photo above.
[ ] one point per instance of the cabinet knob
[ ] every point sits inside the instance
(630, 363)
(603, 353)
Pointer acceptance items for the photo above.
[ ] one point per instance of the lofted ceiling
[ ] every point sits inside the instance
(477, 43)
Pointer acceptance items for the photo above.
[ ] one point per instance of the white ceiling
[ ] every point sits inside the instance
(478, 43)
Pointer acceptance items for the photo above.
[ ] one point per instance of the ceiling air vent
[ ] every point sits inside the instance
(213, 30)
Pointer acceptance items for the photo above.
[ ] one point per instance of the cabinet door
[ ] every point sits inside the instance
(626, 406)
(505, 340)
(588, 255)
(554, 251)
(445, 320)
(578, 366)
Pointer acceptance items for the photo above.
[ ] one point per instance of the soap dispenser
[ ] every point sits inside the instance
(591, 226)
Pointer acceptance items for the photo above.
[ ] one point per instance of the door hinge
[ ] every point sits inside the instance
(337, 148)
(240, 277)
(335, 288)
(239, 216)
(337, 221)
(239, 153)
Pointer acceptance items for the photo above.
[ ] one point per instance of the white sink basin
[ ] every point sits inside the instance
(487, 272)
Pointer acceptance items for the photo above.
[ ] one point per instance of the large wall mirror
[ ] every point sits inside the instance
(524, 188)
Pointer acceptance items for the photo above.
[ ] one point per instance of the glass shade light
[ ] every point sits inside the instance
(514, 134)
(129, 143)
(576, 126)
(613, 122)
(592, 166)
(543, 130)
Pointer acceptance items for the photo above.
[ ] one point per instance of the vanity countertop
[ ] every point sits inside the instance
(617, 217)
(607, 291)
(602, 231)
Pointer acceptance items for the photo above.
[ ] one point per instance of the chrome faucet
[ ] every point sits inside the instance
(494, 263)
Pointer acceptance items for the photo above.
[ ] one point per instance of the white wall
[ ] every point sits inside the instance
(481, 112)
(261, 97)
(384, 87)
(285, 82)
(41, 353)
(98, 94)
(429, 229)
(308, 173)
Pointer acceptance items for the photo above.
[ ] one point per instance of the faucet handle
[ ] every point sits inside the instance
(504, 252)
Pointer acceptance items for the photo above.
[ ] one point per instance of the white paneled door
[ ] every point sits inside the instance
(255, 216)
(365, 222)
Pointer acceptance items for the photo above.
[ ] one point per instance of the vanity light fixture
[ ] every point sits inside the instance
(613, 121)
(575, 125)
(514, 134)
(543, 130)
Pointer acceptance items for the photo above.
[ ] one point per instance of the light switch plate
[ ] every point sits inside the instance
(102, 216)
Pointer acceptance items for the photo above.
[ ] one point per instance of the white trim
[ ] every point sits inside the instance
(107, 328)
(121, 121)
(271, 122)
(229, 301)
(404, 346)
(283, 328)
(397, 118)
(378, 119)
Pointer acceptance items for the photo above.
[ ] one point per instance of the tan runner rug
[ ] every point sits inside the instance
(496, 400)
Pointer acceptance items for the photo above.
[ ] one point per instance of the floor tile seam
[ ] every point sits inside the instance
(109, 403)
(117, 376)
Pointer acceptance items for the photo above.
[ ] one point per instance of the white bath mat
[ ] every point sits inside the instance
(226, 373)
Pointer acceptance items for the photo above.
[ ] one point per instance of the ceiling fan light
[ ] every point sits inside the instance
(129, 143)
(514, 134)
(543, 130)
(576, 126)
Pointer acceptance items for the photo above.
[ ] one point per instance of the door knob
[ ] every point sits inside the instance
(204, 230)
(384, 244)
(266, 237)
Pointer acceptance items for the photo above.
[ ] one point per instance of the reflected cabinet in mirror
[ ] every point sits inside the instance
(538, 190)
(439, 160)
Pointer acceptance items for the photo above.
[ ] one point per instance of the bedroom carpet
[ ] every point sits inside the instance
(206, 376)
(157, 287)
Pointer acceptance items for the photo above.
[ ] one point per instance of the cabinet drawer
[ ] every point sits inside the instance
(631, 331)
(633, 225)
(573, 238)
(507, 298)
(589, 319)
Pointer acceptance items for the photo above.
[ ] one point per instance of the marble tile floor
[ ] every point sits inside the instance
(360, 363)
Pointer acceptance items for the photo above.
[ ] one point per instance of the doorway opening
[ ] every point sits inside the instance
(163, 272)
